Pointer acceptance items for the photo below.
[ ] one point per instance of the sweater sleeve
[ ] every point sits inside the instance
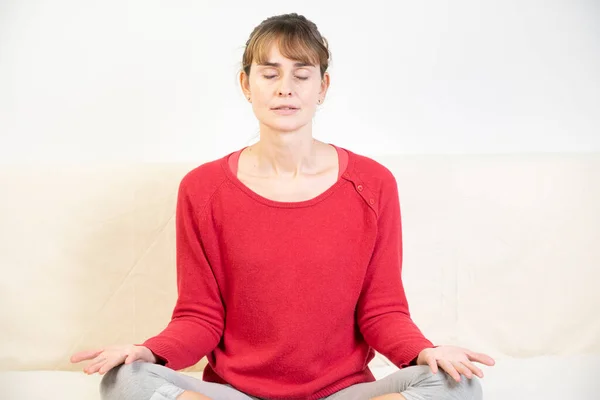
(382, 311)
(197, 320)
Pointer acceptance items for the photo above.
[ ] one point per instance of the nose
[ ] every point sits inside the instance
(284, 92)
(284, 88)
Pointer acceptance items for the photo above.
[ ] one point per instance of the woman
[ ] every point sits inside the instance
(289, 258)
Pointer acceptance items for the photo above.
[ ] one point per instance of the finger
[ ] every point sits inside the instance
(109, 365)
(481, 358)
(116, 359)
(449, 368)
(93, 368)
(130, 358)
(473, 368)
(85, 355)
(432, 364)
(462, 369)
(94, 365)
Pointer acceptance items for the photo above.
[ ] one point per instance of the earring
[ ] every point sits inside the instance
(319, 101)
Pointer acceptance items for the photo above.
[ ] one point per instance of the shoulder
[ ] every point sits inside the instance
(378, 185)
(202, 182)
(370, 171)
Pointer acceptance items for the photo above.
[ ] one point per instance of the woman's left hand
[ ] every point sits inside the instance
(454, 360)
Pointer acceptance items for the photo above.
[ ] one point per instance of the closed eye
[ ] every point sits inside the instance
(303, 78)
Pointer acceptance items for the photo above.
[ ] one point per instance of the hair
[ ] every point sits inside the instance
(297, 38)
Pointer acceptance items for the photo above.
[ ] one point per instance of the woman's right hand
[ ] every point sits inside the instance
(106, 358)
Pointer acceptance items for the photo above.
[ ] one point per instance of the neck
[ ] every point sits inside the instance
(286, 153)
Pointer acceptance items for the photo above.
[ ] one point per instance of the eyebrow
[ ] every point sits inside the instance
(298, 64)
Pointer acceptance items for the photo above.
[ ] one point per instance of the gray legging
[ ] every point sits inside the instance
(145, 381)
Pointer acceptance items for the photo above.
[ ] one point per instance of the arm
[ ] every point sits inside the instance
(197, 321)
(382, 313)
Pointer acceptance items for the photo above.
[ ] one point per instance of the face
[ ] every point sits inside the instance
(283, 82)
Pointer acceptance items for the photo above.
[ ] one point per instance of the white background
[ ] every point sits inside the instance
(106, 81)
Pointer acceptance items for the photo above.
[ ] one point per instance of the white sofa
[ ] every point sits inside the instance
(501, 255)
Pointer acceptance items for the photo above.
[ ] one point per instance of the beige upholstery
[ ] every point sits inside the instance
(502, 255)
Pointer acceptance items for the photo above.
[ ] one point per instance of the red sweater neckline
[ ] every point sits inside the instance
(230, 165)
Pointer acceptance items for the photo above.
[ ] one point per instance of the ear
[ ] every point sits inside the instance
(325, 82)
(245, 84)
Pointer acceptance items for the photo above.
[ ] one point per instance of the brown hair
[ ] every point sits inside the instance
(297, 39)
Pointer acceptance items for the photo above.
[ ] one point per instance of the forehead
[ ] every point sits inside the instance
(272, 56)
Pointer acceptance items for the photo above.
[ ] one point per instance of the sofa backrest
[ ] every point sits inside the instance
(501, 254)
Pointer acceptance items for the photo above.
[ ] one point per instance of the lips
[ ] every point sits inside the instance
(285, 108)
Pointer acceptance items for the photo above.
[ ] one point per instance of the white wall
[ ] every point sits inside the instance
(118, 80)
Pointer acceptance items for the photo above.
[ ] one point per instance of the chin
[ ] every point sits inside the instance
(286, 126)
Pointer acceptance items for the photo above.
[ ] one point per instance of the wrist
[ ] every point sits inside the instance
(158, 359)
(150, 356)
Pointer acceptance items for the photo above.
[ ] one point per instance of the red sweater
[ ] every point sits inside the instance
(288, 300)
